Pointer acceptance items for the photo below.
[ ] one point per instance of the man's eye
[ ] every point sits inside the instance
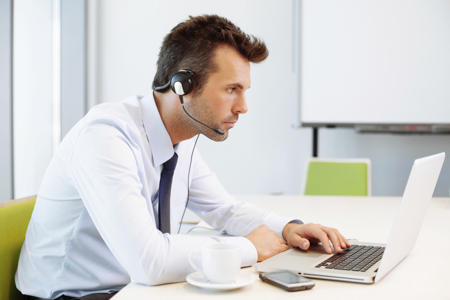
(230, 90)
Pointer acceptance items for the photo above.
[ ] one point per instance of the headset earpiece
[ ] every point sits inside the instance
(182, 82)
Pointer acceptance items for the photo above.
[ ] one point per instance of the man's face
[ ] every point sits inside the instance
(222, 98)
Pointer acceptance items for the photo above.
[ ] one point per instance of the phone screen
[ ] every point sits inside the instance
(286, 277)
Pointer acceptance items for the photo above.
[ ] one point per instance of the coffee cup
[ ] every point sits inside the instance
(219, 262)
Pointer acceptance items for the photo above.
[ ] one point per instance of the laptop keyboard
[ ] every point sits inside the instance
(356, 258)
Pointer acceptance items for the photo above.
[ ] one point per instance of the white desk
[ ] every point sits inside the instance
(419, 276)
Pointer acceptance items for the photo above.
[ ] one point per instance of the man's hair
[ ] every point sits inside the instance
(191, 45)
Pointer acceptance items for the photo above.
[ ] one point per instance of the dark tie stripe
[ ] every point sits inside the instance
(165, 185)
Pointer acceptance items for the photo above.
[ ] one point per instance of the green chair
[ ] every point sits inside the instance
(340, 177)
(14, 218)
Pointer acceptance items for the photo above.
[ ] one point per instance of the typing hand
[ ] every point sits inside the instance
(301, 236)
(267, 242)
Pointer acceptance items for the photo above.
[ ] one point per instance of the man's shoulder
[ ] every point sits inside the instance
(122, 110)
(125, 114)
(109, 118)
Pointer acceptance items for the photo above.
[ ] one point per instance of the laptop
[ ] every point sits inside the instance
(370, 262)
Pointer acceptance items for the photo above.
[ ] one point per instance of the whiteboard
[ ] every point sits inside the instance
(375, 62)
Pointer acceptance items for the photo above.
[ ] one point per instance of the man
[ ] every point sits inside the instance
(110, 205)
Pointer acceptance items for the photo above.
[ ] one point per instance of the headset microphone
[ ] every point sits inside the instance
(182, 84)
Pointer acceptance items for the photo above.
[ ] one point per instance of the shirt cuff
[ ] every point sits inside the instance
(276, 223)
(249, 256)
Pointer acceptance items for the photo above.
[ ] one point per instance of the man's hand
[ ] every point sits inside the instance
(266, 242)
(302, 235)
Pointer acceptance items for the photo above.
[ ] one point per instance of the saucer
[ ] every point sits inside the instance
(198, 279)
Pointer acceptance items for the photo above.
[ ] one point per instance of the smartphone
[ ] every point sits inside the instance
(287, 280)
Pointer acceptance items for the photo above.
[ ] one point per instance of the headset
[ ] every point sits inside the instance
(182, 83)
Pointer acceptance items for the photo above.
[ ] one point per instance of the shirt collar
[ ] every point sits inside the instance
(159, 139)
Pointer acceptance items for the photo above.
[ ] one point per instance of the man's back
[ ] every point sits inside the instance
(62, 239)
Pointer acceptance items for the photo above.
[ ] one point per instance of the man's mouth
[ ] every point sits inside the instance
(230, 123)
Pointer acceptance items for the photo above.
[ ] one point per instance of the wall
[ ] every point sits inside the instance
(6, 151)
(32, 90)
(264, 154)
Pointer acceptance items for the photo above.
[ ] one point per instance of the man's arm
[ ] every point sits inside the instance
(209, 200)
(213, 204)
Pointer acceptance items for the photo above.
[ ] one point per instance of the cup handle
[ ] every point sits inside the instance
(192, 263)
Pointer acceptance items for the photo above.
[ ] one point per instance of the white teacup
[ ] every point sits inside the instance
(219, 262)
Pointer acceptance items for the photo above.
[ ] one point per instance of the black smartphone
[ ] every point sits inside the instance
(287, 280)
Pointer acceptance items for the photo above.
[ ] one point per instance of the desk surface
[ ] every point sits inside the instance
(419, 276)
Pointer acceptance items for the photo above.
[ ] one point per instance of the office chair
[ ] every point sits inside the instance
(14, 218)
(338, 177)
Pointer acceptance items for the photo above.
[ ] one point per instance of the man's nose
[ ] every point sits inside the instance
(240, 106)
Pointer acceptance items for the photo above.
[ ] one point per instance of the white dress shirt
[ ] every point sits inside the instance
(93, 228)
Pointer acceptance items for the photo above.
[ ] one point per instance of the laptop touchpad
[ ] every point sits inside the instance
(314, 254)
(294, 259)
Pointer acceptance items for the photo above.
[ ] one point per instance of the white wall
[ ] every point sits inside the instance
(263, 154)
(32, 90)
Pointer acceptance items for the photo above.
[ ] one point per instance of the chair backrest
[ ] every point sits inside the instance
(338, 177)
(14, 218)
